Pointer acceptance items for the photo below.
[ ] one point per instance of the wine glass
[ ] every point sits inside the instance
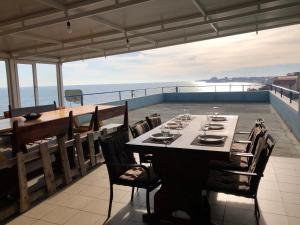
(204, 127)
(215, 111)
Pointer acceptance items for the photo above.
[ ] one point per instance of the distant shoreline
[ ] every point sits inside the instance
(262, 80)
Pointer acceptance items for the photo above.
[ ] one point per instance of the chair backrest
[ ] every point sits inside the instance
(256, 133)
(115, 153)
(154, 120)
(23, 135)
(264, 150)
(109, 113)
(139, 128)
(25, 110)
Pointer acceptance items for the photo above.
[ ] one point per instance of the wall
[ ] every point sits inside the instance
(140, 102)
(290, 116)
(258, 96)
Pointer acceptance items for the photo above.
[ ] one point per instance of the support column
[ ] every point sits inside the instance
(60, 84)
(12, 80)
(299, 106)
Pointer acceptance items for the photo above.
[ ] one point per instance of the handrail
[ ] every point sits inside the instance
(163, 89)
(291, 93)
(285, 89)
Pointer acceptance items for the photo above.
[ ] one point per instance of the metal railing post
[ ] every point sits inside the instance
(291, 96)
(176, 89)
(81, 99)
(132, 93)
(145, 92)
(120, 96)
(280, 92)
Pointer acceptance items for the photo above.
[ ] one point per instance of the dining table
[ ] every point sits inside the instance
(182, 162)
(107, 111)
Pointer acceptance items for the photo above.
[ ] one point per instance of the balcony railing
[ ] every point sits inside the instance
(110, 96)
(285, 92)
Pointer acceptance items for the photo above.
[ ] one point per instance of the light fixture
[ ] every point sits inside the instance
(69, 29)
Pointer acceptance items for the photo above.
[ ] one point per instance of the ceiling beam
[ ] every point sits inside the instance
(36, 38)
(205, 32)
(53, 4)
(65, 18)
(204, 14)
(58, 5)
(47, 12)
(219, 19)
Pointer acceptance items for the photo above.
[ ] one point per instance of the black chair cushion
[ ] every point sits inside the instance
(138, 176)
(235, 163)
(228, 183)
(239, 147)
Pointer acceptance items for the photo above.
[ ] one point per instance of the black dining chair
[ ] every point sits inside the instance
(136, 130)
(122, 167)
(244, 183)
(244, 145)
(154, 120)
(241, 160)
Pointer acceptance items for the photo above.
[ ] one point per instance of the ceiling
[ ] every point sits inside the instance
(37, 29)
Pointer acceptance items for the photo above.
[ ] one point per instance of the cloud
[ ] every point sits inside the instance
(271, 52)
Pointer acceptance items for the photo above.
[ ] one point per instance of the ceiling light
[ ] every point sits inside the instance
(69, 29)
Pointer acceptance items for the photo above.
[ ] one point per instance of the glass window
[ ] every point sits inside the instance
(4, 102)
(47, 83)
(25, 76)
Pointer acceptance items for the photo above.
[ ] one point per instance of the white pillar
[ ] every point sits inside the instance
(12, 80)
(60, 84)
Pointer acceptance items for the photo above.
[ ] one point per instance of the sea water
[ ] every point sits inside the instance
(49, 94)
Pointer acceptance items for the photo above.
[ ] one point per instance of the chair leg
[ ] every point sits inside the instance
(256, 210)
(132, 193)
(148, 202)
(111, 196)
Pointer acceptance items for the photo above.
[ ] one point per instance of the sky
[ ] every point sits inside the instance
(270, 53)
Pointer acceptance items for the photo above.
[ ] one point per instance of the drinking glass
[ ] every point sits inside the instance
(165, 131)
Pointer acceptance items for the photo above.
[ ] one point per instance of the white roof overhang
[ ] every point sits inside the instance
(36, 29)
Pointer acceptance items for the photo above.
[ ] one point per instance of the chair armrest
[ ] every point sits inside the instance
(242, 154)
(132, 165)
(243, 132)
(242, 142)
(240, 173)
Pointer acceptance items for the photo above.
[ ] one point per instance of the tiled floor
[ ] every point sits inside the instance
(85, 202)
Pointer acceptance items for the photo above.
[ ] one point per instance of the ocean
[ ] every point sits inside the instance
(49, 94)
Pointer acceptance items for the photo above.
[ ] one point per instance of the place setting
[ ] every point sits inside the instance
(208, 139)
(216, 116)
(164, 136)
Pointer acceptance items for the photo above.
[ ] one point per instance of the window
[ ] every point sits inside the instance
(4, 102)
(47, 83)
(25, 76)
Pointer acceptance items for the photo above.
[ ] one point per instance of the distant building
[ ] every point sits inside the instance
(291, 81)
